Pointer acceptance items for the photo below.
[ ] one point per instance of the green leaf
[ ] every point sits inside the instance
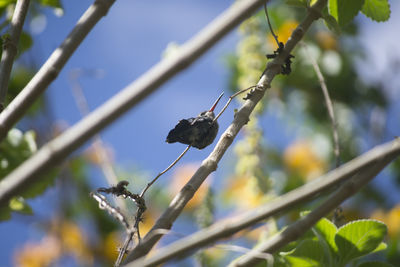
(5, 3)
(378, 10)
(311, 250)
(326, 230)
(25, 42)
(359, 238)
(300, 3)
(375, 264)
(301, 262)
(51, 3)
(5, 213)
(18, 204)
(382, 246)
(344, 11)
(330, 22)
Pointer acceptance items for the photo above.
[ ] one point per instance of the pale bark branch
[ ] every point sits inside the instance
(58, 149)
(52, 67)
(10, 48)
(241, 118)
(276, 206)
(297, 229)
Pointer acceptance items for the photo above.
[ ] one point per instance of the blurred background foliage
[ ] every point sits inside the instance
(81, 234)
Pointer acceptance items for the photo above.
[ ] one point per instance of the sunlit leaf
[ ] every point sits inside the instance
(326, 230)
(378, 10)
(359, 238)
(344, 11)
(18, 204)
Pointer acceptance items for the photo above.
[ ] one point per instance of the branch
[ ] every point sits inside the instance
(279, 205)
(10, 48)
(241, 118)
(297, 229)
(58, 149)
(52, 67)
(328, 103)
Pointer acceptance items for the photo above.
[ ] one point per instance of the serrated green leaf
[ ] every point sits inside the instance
(326, 230)
(344, 11)
(359, 238)
(378, 10)
(375, 264)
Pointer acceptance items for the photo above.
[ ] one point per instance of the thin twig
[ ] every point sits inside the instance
(10, 48)
(297, 229)
(269, 24)
(140, 210)
(52, 67)
(230, 100)
(240, 119)
(164, 171)
(279, 205)
(328, 103)
(98, 144)
(104, 205)
(58, 149)
(120, 190)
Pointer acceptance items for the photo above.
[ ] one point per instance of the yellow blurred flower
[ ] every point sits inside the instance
(40, 254)
(391, 219)
(284, 32)
(63, 237)
(246, 187)
(299, 157)
(180, 177)
(74, 241)
(147, 223)
(110, 246)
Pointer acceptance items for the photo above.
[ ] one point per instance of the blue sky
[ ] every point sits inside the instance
(128, 41)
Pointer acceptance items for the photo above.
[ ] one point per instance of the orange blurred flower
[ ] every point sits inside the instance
(244, 192)
(391, 219)
(180, 177)
(64, 237)
(326, 40)
(284, 32)
(38, 254)
(299, 157)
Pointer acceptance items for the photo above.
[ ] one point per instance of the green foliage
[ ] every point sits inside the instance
(51, 3)
(337, 247)
(301, 3)
(5, 3)
(15, 149)
(344, 11)
(378, 10)
(359, 238)
(25, 42)
(331, 22)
